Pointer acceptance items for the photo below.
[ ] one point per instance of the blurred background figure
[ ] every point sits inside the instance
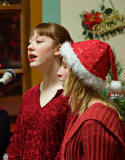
(4, 131)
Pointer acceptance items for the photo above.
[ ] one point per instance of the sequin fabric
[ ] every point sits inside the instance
(96, 56)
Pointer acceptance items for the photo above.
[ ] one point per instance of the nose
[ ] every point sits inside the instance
(59, 73)
(30, 47)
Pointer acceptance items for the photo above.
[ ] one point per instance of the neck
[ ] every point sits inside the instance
(94, 100)
(50, 77)
(51, 82)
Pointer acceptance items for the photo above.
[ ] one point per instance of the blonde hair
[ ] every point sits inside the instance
(81, 94)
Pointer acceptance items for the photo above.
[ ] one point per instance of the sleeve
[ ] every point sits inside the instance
(68, 119)
(16, 143)
(4, 131)
(98, 142)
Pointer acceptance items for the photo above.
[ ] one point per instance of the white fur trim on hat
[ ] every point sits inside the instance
(71, 58)
(115, 86)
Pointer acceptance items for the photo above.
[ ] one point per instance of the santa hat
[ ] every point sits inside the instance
(91, 61)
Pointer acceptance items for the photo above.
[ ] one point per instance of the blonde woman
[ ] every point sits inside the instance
(96, 131)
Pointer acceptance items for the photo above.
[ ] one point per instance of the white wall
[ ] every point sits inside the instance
(70, 10)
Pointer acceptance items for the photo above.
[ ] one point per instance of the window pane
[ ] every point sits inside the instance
(10, 39)
(11, 2)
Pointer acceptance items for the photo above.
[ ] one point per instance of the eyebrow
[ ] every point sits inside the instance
(35, 37)
(64, 63)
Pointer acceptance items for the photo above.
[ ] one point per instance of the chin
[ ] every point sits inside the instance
(34, 66)
(63, 86)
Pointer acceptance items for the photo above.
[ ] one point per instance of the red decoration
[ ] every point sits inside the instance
(91, 19)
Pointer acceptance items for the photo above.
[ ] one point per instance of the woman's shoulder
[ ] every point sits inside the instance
(103, 114)
(60, 95)
(100, 108)
(61, 99)
(106, 116)
(32, 91)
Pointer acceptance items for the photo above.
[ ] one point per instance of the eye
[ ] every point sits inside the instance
(65, 66)
(38, 41)
(29, 43)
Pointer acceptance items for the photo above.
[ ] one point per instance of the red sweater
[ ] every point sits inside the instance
(98, 134)
(39, 131)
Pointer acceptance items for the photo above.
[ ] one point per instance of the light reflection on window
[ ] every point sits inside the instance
(10, 39)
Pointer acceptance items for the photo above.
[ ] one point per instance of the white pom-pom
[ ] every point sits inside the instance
(115, 86)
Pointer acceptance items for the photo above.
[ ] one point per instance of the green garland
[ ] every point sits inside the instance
(120, 70)
(120, 101)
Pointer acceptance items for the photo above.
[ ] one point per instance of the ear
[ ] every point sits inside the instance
(57, 53)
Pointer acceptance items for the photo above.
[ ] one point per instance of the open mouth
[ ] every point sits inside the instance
(31, 56)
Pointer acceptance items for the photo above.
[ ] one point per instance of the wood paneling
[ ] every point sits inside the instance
(35, 18)
(25, 61)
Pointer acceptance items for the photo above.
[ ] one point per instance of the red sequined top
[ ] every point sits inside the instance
(39, 131)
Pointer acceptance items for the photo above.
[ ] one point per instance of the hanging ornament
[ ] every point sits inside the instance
(102, 22)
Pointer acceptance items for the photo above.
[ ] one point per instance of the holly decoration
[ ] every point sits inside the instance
(120, 101)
